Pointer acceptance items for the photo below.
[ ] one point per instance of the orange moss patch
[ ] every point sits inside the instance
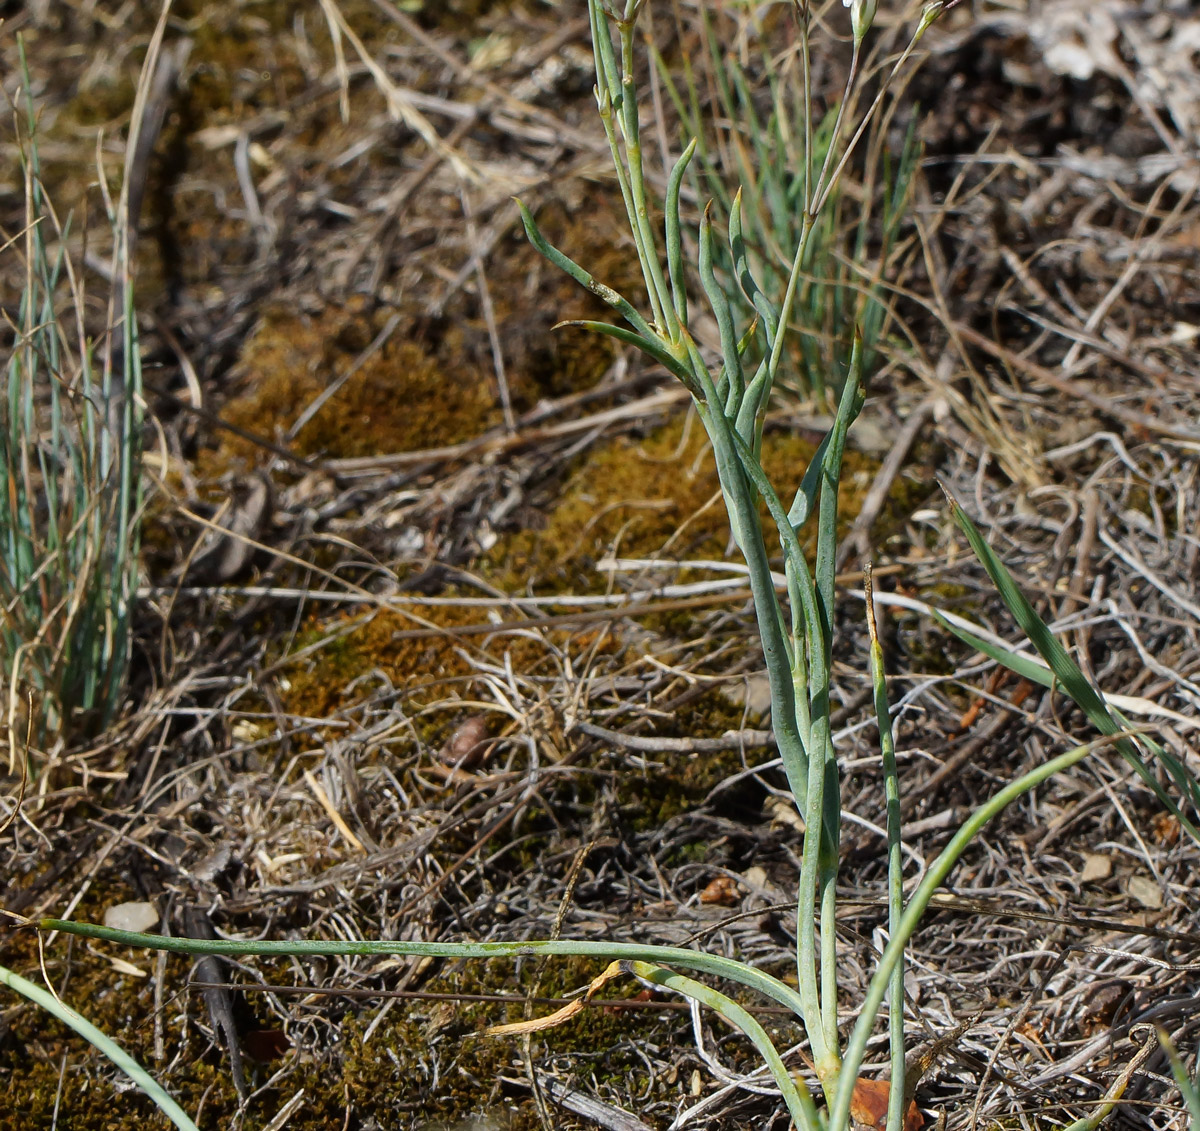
(400, 399)
(413, 394)
(642, 497)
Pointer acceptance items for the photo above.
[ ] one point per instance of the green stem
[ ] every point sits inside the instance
(930, 14)
(894, 951)
(891, 788)
(711, 964)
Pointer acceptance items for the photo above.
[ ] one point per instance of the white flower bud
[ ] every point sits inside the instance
(862, 15)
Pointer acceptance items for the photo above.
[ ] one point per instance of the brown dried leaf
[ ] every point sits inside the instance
(559, 1016)
(1100, 1009)
(1166, 828)
(722, 890)
(869, 1105)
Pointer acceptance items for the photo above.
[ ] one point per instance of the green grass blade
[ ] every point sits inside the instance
(719, 304)
(741, 265)
(849, 406)
(1066, 674)
(105, 1044)
(891, 787)
(675, 272)
(1189, 1086)
(795, 1092)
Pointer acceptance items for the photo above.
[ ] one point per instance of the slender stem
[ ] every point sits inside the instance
(610, 97)
(813, 775)
(827, 893)
(711, 964)
(806, 67)
(660, 299)
(909, 921)
(827, 818)
(785, 314)
(831, 148)
(927, 18)
(824, 1052)
(742, 505)
(891, 788)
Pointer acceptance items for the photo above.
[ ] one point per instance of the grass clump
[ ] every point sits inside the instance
(70, 475)
(751, 109)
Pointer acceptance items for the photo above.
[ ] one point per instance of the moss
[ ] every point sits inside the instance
(431, 384)
(320, 684)
(241, 59)
(399, 399)
(389, 1078)
(644, 496)
(676, 782)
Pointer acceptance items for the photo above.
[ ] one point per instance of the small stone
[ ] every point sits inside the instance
(753, 693)
(784, 813)
(1096, 866)
(138, 917)
(755, 877)
(213, 864)
(467, 745)
(1146, 892)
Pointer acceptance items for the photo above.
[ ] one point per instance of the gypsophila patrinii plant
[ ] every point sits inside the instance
(730, 395)
(70, 451)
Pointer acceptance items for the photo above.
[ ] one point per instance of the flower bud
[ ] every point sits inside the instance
(862, 15)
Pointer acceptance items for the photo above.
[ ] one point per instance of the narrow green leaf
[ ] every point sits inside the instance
(795, 1092)
(101, 1041)
(675, 271)
(719, 303)
(1068, 676)
(712, 964)
(652, 345)
(1189, 1086)
(582, 276)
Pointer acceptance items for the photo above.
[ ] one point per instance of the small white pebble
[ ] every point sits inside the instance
(131, 917)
